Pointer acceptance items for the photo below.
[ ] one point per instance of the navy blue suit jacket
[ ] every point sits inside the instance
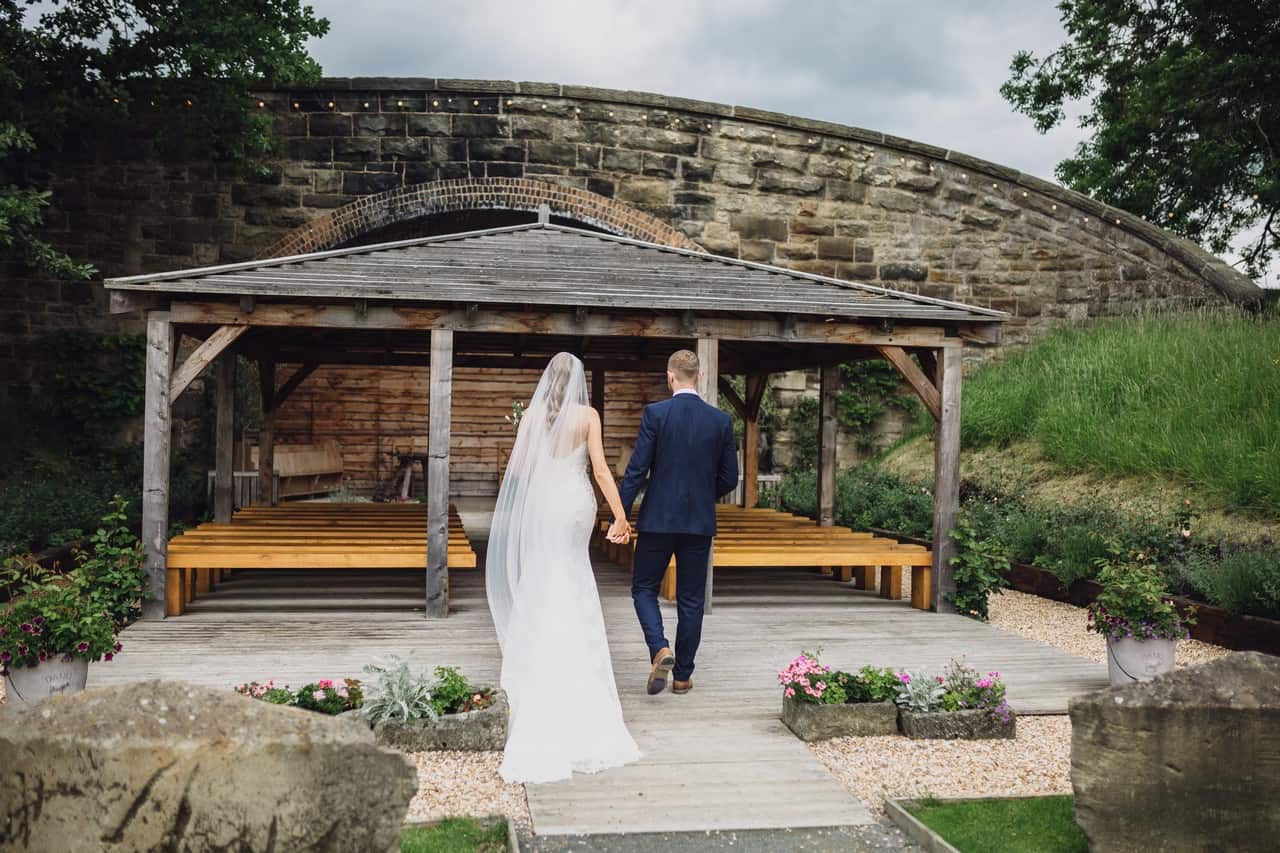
(686, 448)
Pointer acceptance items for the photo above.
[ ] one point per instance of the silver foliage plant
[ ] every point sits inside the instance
(397, 694)
(918, 692)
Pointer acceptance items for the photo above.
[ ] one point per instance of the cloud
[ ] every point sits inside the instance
(925, 70)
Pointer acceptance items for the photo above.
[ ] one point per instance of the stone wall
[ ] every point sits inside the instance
(812, 196)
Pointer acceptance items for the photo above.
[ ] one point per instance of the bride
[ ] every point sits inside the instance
(556, 668)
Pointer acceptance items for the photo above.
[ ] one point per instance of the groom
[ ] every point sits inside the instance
(686, 448)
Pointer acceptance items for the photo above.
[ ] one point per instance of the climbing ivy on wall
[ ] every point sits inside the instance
(97, 382)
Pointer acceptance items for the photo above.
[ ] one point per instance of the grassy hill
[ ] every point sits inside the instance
(1186, 404)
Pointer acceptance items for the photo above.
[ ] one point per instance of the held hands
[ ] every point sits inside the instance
(619, 532)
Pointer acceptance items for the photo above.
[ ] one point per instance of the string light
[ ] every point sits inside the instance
(399, 103)
(153, 103)
(1086, 220)
(902, 160)
(297, 106)
(1117, 220)
(262, 104)
(475, 103)
(435, 103)
(610, 113)
(115, 100)
(812, 140)
(995, 187)
(1024, 193)
(841, 148)
(188, 102)
(544, 106)
(774, 137)
(330, 105)
(366, 105)
(1053, 207)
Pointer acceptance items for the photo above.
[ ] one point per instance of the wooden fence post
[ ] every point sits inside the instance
(441, 413)
(946, 476)
(827, 446)
(155, 461)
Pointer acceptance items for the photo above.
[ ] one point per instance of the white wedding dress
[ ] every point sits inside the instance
(556, 667)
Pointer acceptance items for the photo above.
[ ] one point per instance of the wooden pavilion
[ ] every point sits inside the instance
(511, 297)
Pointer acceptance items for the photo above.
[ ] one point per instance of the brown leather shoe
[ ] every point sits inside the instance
(682, 686)
(663, 662)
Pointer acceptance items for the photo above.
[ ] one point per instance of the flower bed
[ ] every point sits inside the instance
(961, 704)
(818, 703)
(416, 712)
(324, 696)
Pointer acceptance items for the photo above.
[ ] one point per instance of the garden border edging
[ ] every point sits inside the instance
(913, 828)
(1214, 625)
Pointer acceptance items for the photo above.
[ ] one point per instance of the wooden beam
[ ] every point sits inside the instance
(202, 357)
(266, 432)
(929, 364)
(756, 383)
(921, 384)
(708, 351)
(156, 415)
(224, 441)
(731, 395)
(637, 325)
(126, 301)
(441, 414)
(946, 478)
(291, 384)
(827, 425)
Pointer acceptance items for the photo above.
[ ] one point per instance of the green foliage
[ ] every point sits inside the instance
(918, 692)
(456, 835)
(452, 691)
(869, 684)
(1024, 825)
(1134, 600)
(980, 566)
(97, 383)
(112, 564)
(171, 75)
(398, 694)
(51, 614)
(869, 388)
(865, 497)
(1194, 396)
(802, 421)
(329, 697)
(834, 694)
(1182, 131)
(1244, 580)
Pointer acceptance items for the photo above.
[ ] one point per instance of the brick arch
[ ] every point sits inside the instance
(412, 202)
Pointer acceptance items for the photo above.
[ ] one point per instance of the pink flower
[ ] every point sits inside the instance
(905, 678)
(325, 683)
(318, 695)
(789, 692)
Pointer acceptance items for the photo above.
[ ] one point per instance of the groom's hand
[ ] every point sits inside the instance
(619, 532)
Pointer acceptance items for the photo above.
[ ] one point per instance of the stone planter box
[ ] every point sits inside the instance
(474, 731)
(956, 725)
(819, 722)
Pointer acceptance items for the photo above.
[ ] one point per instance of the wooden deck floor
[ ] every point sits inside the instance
(717, 758)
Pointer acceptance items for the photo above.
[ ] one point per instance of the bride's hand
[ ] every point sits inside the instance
(620, 533)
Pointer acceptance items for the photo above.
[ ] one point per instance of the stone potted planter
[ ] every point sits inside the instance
(416, 712)
(818, 703)
(974, 724)
(958, 705)
(27, 685)
(1141, 625)
(484, 730)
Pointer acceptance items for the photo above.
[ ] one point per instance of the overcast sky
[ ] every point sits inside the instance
(928, 69)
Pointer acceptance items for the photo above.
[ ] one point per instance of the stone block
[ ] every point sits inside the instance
(864, 253)
(253, 195)
(496, 149)
(735, 175)
(406, 148)
(485, 127)
(329, 124)
(304, 148)
(620, 160)
(904, 271)
(760, 251)
(755, 227)
(651, 191)
(380, 124)
(697, 170)
(978, 219)
(836, 248)
(772, 181)
(917, 183)
(660, 165)
(810, 721)
(553, 153)
(532, 127)
(589, 156)
(162, 765)
(854, 191)
(1188, 761)
(428, 124)
(364, 183)
(356, 150)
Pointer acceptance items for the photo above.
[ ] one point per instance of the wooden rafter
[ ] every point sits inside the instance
(202, 357)
(732, 396)
(921, 384)
(291, 384)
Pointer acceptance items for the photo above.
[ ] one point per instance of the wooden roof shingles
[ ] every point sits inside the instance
(549, 265)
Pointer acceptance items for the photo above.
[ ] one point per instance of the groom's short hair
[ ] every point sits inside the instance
(684, 364)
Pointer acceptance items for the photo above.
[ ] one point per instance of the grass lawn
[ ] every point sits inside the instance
(1028, 825)
(456, 835)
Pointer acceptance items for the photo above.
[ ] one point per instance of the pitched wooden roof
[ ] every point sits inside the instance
(549, 265)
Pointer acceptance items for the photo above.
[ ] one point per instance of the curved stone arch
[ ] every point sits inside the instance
(418, 200)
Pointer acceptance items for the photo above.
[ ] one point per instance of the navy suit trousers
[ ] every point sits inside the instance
(653, 555)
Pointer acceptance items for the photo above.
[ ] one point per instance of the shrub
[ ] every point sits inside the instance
(980, 566)
(112, 565)
(329, 697)
(960, 688)
(398, 694)
(267, 691)
(918, 692)
(1134, 602)
(1245, 580)
(865, 497)
(453, 694)
(868, 684)
(51, 615)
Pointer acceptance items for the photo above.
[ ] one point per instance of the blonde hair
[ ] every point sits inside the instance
(559, 372)
(684, 364)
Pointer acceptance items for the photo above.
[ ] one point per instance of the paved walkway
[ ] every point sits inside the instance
(716, 759)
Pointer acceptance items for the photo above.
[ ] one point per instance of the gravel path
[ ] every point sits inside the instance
(1038, 761)
(465, 784)
(1062, 625)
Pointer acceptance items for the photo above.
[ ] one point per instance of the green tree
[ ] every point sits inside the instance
(1183, 108)
(173, 75)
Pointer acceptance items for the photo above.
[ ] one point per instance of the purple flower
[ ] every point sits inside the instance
(39, 620)
(108, 656)
(82, 647)
(5, 657)
(25, 627)
(117, 647)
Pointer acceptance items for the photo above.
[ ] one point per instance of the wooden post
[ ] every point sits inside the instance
(597, 393)
(441, 413)
(155, 461)
(751, 440)
(708, 389)
(266, 433)
(827, 446)
(224, 440)
(946, 476)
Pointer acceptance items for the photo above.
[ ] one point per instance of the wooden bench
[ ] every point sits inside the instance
(761, 537)
(304, 469)
(306, 535)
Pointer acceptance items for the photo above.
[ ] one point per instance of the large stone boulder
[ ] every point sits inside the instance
(1187, 761)
(162, 765)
